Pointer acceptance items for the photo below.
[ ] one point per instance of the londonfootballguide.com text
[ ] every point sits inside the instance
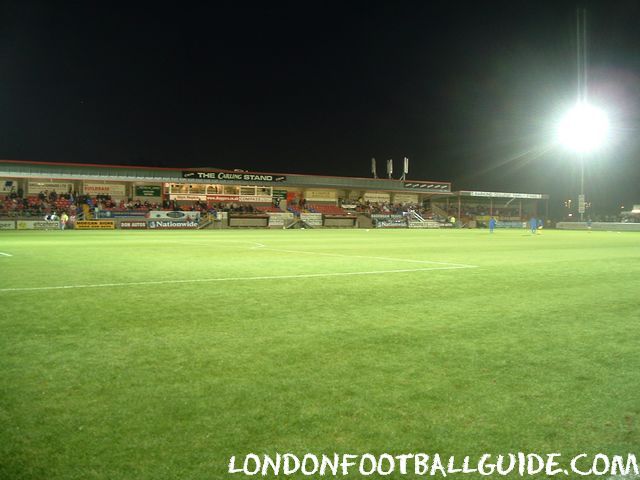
(434, 465)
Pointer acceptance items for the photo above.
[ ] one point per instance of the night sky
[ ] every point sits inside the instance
(469, 91)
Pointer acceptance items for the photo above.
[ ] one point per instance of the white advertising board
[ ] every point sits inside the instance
(112, 189)
(7, 185)
(320, 195)
(37, 225)
(314, 219)
(277, 219)
(35, 188)
(405, 198)
(502, 194)
(376, 197)
(174, 215)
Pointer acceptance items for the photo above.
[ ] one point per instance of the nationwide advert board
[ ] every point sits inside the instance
(172, 224)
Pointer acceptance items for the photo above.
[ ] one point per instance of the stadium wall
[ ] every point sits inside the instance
(601, 226)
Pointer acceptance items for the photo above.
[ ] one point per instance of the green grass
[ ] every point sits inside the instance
(535, 349)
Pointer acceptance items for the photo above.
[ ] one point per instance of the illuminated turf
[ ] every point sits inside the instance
(154, 355)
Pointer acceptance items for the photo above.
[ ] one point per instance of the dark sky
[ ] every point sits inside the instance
(469, 91)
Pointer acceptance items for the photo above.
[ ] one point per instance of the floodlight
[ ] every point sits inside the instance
(584, 128)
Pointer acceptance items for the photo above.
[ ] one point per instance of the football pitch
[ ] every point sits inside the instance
(159, 355)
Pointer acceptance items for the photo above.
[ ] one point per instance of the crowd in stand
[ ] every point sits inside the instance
(234, 208)
(45, 203)
(16, 204)
(213, 208)
(484, 210)
(388, 208)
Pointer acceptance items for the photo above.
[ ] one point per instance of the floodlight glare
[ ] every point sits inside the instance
(584, 128)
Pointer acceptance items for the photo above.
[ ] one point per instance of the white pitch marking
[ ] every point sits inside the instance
(460, 265)
(6, 254)
(216, 243)
(231, 279)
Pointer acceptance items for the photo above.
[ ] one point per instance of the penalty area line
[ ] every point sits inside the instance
(232, 279)
(6, 254)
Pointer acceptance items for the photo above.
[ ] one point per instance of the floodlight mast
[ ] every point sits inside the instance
(581, 37)
(584, 127)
